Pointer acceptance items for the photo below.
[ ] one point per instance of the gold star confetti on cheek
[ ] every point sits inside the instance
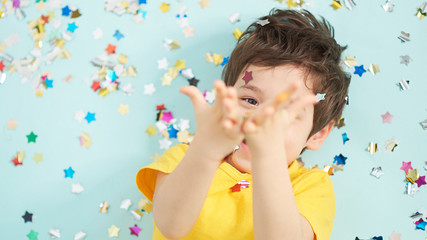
(38, 157)
(113, 231)
(123, 109)
(373, 148)
(237, 33)
(165, 7)
(12, 124)
(204, 3)
(374, 69)
(336, 4)
(151, 130)
(350, 61)
(155, 157)
(179, 65)
(103, 208)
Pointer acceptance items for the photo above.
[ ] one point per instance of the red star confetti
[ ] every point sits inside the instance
(247, 77)
(111, 49)
(387, 117)
(19, 158)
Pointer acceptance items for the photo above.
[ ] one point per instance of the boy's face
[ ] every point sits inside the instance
(267, 82)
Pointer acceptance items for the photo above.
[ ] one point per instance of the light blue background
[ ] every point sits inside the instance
(366, 206)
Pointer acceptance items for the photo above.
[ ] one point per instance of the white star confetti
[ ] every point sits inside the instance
(54, 233)
(377, 172)
(235, 17)
(97, 34)
(405, 59)
(184, 124)
(76, 188)
(79, 236)
(126, 204)
(388, 6)
(263, 22)
(164, 143)
(79, 115)
(149, 89)
(210, 97)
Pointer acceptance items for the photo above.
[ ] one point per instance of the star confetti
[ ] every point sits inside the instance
(421, 181)
(32, 137)
(97, 34)
(165, 7)
(406, 166)
(345, 138)
(336, 4)
(388, 6)
(33, 235)
(54, 233)
(135, 230)
(340, 123)
(19, 158)
(103, 208)
(422, 11)
(188, 32)
(373, 148)
(235, 17)
(237, 33)
(412, 175)
(38, 157)
(339, 159)
(76, 188)
(204, 3)
(390, 145)
(320, 96)
(404, 37)
(395, 236)
(377, 172)
(405, 59)
(387, 117)
(90, 117)
(123, 109)
(85, 140)
(374, 69)
(359, 70)
(69, 172)
(12, 124)
(118, 35)
(424, 124)
(164, 143)
(113, 231)
(247, 77)
(79, 236)
(263, 22)
(28, 217)
(350, 61)
(403, 84)
(151, 130)
(125, 204)
(421, 224)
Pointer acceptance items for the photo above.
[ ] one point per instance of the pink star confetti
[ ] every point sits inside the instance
(247, 77)
(406, 166)
(135, 230)
(387, 117)
(167, 116)
(421, 181)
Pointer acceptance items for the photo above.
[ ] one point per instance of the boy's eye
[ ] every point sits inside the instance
(250, 101)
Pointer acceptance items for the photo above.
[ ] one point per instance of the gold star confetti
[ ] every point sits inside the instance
(103, 208)
(204, 3)
(165, 7)
(131, 71)
(166, 80)
(38, 157)
(113, 231)
(237, 33)
(85, 140)
(217, 59)
(183, 136)
(123, 109)
(12, 124)
(350, 61)
(209, 57)
(151, 130)
(373, 148)
(412, 175)
(374, 68)
(41, 6)
(390, 145)
(336, 4)
(123, 59)
(340, 123)
(179, 65)
(291, 3)
(175, 44)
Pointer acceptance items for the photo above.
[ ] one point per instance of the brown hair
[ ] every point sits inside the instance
(296, 38)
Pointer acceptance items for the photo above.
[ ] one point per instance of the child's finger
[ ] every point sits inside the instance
(300, 103)
(220, 90)
(194, 94)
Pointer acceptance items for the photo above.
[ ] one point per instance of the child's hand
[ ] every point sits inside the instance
(266, 127)
(218, 126)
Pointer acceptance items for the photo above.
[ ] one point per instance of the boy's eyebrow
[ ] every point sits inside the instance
(253, 88)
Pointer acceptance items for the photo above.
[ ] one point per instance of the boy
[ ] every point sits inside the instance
(210, 189)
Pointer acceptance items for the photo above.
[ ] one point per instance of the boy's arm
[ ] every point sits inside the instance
(178, 200)
(275, 212)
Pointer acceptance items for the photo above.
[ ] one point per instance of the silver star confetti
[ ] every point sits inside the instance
(403, 84)
(404, 37)
(263, 22)
(424, 124)
(320, 96)
(377, 172)
(388, 6)
(405, 59)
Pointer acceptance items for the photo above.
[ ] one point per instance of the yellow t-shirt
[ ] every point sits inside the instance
(228, 215)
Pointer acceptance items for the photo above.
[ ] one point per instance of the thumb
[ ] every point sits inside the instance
(194, 94)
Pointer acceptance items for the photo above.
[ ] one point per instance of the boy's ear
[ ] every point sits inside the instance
(316, 141)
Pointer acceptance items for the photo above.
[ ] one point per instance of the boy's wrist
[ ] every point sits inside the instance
(206, 151)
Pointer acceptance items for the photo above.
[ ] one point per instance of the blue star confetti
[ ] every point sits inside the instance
(90, 117)
(339, 159)
(69, 172)
(359, 70)
(344, 138)
(118, 35)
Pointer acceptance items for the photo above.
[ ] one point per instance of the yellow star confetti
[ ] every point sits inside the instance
(41, 6)
(183, 136)
(237, 33)
(412, 175)
(85, 140)
(151, 130)
(390, 145)
(145, 205)
(291, 3)
(173, 72)
(204, 3)
(103, 208)
(113, 231)
(373, 148)
(336, 4)
(180, 64)
(374, 68)
(131, 71)
(123, 109)
(38, 157)
(217, 58)
(280, 1)
(175, 44)
(12, 124)
(39, 92)
(350, 61)
(165, 7)
(122, 59)
(209, 57)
